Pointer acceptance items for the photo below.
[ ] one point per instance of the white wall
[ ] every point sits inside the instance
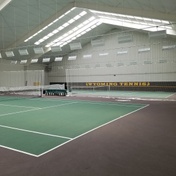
(154, 65)
(16, 75)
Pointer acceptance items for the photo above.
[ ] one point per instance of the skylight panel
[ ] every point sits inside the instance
(38, 50)
(77, 17)
(83, 13)
(65, 25)
(9, 53)
(50, 34)
(49, 25)
(56, 49)
(158, 21)
(60, 28)
(71, 21)
(130, 21)
(46, 37)
(75, 46)
(55, 31)
(75, 32)
(23, 52)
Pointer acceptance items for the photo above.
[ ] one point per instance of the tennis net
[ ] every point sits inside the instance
(16, 93)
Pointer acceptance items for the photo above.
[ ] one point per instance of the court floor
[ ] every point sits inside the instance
(125, 94)
(39, 125)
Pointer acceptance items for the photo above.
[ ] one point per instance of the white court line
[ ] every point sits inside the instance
(118, 118)
(19, 151)
(17, 106)
(170, 95)
(36, 109)
(35, 132)
(71, 139)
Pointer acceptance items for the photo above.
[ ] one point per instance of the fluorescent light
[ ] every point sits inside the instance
(13, 62)
(72, 57)
(169, 47)
(87, 56)
(34, 60)
(46, 60)
(0, 55)
(143, 50)
(9, 53)
(58, 59)
(122, 52)
(103, 54)
(23, 62)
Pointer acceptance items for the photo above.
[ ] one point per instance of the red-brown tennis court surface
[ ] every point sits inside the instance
(141, 143)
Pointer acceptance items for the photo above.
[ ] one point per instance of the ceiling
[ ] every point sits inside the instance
(29, 24)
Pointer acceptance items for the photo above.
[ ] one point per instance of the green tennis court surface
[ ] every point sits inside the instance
(39, 125)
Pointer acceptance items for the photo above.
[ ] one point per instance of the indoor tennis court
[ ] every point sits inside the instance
(87, 88)
(32, 130)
